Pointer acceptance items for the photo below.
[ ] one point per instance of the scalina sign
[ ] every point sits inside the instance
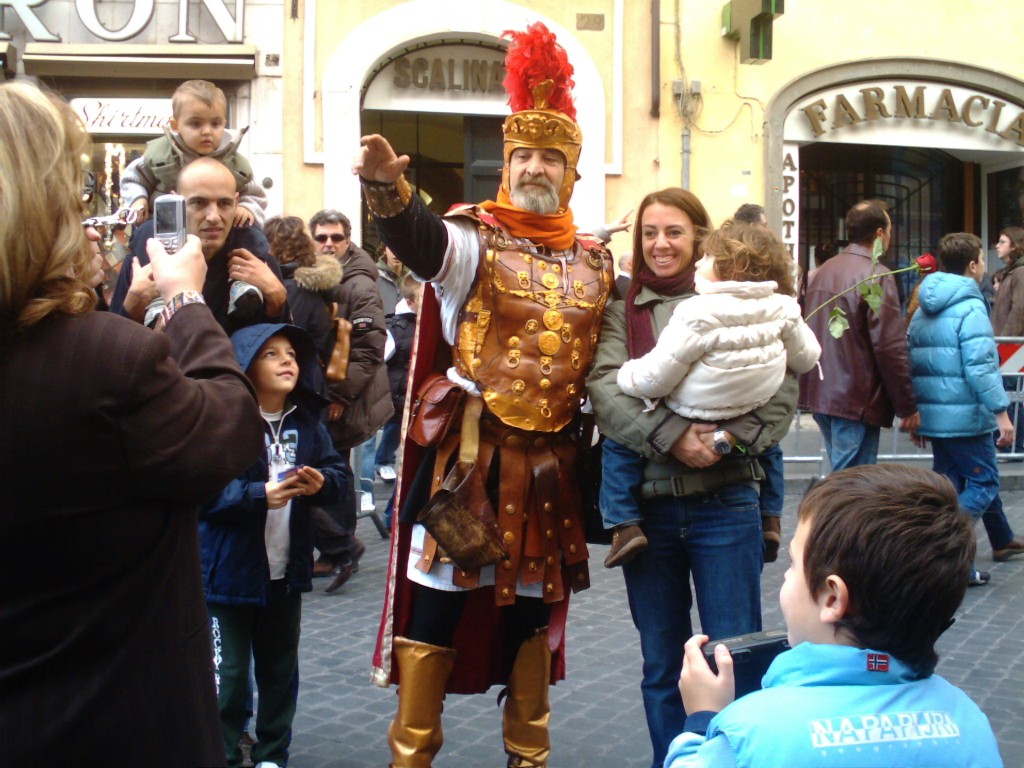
(230, 25)
(893, 103)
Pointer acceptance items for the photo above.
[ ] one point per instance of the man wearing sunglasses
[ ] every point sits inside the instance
(362, 402)
(331, 230)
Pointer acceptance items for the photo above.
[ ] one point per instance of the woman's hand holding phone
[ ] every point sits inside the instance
(183, 270)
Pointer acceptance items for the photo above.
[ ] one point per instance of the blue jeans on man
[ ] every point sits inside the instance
(367, 454)
(848, 443)
(716, 539)
(387, 448)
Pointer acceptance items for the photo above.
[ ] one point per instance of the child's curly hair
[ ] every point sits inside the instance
(289, 241)
(751, 253)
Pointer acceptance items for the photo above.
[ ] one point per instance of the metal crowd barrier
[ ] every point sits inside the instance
(803, 445)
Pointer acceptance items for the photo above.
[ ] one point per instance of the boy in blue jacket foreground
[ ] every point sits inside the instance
(880, 562)
(257, 541)
(954, 367)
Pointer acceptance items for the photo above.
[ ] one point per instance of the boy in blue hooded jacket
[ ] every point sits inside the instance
(257, 541)
(879, 566)
(954, 367)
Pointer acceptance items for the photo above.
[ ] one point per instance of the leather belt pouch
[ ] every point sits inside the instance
(437, 405)
(337, 368)
(461, 520)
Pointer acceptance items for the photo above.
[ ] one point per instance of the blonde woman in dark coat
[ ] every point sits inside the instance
(110, 436)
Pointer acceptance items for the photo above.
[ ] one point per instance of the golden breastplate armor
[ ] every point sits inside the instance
(528, 332)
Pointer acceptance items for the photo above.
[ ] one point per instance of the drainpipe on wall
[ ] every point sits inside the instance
(655, 58)
(686, 156)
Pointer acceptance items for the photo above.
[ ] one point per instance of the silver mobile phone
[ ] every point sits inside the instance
(169, 225)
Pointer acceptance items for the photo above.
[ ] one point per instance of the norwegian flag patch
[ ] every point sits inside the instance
(878, 662)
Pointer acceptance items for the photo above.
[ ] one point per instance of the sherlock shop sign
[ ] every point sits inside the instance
(123, 116)
(895, 103)
(31, 14)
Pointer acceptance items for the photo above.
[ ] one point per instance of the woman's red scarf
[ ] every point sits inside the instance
(640, 336)
(556, 231)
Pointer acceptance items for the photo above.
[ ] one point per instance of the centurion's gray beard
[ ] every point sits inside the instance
(537, 194)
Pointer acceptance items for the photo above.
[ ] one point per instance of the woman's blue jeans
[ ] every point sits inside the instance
(716, 539)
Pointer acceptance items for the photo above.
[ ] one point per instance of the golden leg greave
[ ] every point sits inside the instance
(415, 734)
(527, 711)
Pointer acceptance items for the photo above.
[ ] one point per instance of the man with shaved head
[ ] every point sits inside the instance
(232, 253)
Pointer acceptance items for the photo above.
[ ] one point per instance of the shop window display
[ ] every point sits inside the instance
(101, 189)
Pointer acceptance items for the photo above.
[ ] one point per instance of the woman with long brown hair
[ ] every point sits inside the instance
(1008, 312)
(698, 508)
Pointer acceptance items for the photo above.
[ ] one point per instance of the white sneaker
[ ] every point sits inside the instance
(387, 473)
(267, 764)
(367, 504)
(244, 299)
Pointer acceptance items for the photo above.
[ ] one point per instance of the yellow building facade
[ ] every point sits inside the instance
(806, 106)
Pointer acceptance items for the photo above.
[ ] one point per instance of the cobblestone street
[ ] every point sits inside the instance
(597, 714)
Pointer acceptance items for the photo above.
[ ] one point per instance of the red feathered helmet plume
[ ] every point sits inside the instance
(538, 74)
(539, 84)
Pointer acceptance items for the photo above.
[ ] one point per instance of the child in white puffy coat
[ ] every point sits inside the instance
(725, 351)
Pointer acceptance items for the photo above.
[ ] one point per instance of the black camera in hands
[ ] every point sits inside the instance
(752, 654)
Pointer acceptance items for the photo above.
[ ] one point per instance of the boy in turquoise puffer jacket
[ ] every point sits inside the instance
(954, 367)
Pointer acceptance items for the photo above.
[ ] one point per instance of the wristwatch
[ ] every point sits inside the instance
(722, 444)
(179, 301)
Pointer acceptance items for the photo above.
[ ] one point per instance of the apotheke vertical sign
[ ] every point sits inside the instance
(791, 197)
(230, 25)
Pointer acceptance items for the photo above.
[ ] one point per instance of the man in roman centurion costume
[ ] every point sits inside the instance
(518, 299)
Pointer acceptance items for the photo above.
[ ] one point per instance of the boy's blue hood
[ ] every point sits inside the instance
(940, 290)
(247, 342)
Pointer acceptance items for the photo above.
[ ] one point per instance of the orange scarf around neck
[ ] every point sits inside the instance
(556, 231)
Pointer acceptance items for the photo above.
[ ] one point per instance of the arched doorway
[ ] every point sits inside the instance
(924, 189)
(941, 142)
(420, 23)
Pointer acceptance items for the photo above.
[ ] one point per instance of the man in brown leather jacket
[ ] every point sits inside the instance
(865, 374)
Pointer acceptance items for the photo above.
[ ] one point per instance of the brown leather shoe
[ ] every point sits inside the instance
(1014, 549)
(323, 568)
(628, 541)
(342, 574)
(357, 553)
